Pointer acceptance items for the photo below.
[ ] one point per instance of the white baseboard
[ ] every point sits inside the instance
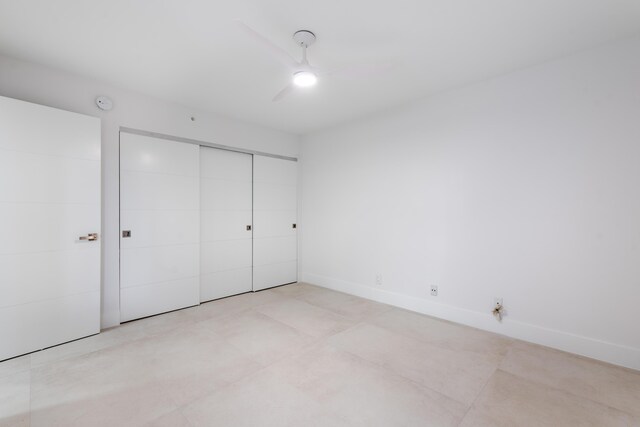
(601, 350)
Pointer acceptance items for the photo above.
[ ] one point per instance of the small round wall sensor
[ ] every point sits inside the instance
(104, 103)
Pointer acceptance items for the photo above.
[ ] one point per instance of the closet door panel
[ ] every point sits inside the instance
(275, 211)
(160, 213)
(165, 296)
(225, 165)
(268, 276)
(226, 223)
(154, 192)
(150, 228)
(275, 224)
(225, 195)
(274, 196)
(275, 171)
(146, 265)
(274, 250)
(226, 255)
(157, 156)
(224, 283)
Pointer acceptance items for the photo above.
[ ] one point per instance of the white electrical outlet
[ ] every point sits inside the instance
(379, 279)
(434, 291)
(498, 309)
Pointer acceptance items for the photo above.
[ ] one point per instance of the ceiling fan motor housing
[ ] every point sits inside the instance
(304, 38)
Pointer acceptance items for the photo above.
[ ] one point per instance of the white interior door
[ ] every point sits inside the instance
(275, 252)
(160, 225)
(226, 221)
(49, 199)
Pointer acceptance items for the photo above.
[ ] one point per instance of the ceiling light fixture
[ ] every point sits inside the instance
(303, 74)
(304, 78)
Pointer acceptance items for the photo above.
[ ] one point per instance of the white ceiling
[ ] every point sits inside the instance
(192, 52)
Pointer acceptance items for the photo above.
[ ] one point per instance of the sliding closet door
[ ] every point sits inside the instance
(49, 212)
(274, 219)
(159, 221)
(226, 211)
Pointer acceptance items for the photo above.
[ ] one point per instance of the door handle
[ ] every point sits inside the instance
(248, 228)
(90, 237)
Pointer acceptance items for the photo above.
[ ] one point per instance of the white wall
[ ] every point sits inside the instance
(50, 87)
(525, 187)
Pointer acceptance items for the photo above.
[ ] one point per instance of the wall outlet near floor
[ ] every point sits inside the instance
(434, 291)
(498, 309)
(378, 279)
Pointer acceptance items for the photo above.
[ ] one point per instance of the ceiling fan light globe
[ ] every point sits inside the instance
(304, 79)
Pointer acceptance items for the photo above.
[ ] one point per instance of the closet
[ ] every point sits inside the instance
(201, 222)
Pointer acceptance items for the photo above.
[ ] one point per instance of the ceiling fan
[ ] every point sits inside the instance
(304, 74)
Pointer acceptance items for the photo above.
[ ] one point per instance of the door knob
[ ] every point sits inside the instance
(90, 237)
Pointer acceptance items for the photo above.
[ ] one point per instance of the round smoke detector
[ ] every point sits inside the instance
(104, 103)
(304, 38)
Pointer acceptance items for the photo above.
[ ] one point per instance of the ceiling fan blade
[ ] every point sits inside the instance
(361, 70)
(275, 50)
(283, 93)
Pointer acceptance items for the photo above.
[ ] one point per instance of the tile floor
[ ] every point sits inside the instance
(300, 355)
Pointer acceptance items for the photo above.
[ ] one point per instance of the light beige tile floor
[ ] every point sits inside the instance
(300, 355)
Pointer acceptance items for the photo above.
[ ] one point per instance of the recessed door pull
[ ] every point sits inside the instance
(126, 233)
(90, 237)
(248, 228)
(294, 226)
